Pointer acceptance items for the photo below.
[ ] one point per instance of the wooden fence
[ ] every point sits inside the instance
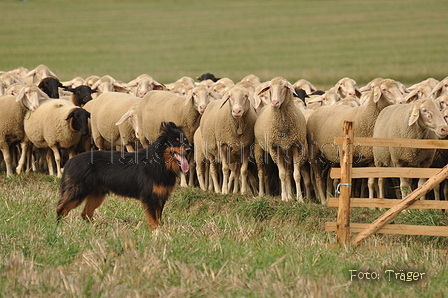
(346, 173)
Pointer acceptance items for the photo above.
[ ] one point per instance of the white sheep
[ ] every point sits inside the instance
(347, 87)
(38, 73)
(10, 79)
(107, 84)
(327, 122)
(12, 112)
(106, 110)
(420, 90)
(280, 131)
(56, 124)
(19, 71)
(3, 87)
(142, 84)
(227, 129)
(160, 106)
(420, 119)
(303, 84)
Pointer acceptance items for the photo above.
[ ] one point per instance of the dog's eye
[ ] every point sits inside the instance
(177, 139)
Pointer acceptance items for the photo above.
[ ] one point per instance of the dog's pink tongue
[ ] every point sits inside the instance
(184, 164)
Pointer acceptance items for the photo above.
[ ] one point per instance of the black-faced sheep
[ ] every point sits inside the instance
(56, 124)
(280, 131)
(207, 76)
(420, 119)
(50, 85)
(228, 134)
(12, 113)
(80, 95)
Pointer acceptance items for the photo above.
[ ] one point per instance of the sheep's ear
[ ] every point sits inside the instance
(215, 95)
(437, 89)
(225, 99)
(159, 86)
(411, 96)
(189, 97)
(71, 115)
(255, 100)
(125, 117)
(43, 94)
(376, 93)
(30, 73)
(291, 88)
(95, 86)
(414, 114)
(21, 94)
(120, 88)
(70, 120)
(358, 92)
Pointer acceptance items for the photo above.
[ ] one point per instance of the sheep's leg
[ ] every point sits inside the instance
(305, 175)
(422, 181)
(214, 175)
(286, 196)
(7, 159)
(200, 174)
(381, 188)
(317, 178)
(371, 186)
(235, 173)
(191, 174)
(49, 158)
(225, 170)
(261, 164)
(183, 179)
(405, 186)
(297, 159)
(244, 172)
(22, 160)
(57, 159)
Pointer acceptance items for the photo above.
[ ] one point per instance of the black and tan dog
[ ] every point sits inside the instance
(148, 175)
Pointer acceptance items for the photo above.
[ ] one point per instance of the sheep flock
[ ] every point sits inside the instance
(250, 137)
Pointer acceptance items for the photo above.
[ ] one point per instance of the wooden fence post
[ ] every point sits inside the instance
(343, 220)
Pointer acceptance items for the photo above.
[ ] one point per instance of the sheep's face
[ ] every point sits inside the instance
(280, 89)
(77, 121)
(443, 101)
(238, 101)
(201, 96)
(347, 87)
(427, 115)
(30, 96)
(390, 90)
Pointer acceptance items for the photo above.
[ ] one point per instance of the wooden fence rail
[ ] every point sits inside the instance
(344, 202)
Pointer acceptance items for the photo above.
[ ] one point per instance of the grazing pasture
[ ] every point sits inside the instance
(212, 245)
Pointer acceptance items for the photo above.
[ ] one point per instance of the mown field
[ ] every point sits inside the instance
(214, 245)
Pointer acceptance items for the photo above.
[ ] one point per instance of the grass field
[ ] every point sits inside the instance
(208, 246)
(213, 245)
(321, 41)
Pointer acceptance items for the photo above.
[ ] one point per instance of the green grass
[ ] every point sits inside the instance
(209, 245)
(321, 41)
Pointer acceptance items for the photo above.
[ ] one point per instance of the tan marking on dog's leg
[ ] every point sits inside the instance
(152, 222)
(93, 201)
(64, 208)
